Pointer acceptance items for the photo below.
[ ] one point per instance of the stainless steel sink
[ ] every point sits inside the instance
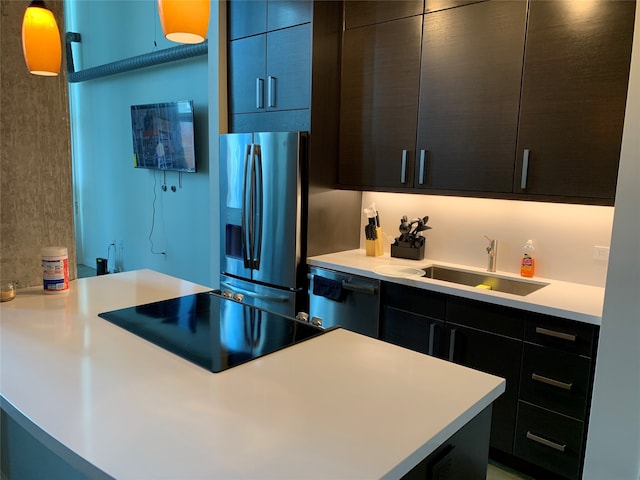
(473, 279)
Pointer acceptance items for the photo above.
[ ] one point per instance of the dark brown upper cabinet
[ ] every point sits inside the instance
(469, 97)
(378, 108)
(574, 90)
(369, 12)
(436, 5)
(521, 100)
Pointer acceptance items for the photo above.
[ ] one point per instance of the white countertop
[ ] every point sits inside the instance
(568, 300)
(340, 405)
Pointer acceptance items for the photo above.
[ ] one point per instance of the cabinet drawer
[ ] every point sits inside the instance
(556, 380)
(549, 440)
(414, 300)
(491, 318)
(566, 335)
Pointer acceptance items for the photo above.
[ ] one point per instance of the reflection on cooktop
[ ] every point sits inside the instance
(212, 331)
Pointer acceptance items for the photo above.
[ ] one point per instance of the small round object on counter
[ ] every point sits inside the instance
(7, 291)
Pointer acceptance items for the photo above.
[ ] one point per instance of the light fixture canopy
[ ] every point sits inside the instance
(41, 42)
(184, 21)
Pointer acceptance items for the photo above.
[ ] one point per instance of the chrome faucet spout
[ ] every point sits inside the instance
(492, 251)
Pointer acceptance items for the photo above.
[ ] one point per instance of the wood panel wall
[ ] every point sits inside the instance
(36, 200)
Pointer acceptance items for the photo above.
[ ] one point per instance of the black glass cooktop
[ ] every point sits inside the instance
(212, 331)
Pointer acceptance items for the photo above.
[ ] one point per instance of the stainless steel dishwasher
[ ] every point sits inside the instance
(344, 300)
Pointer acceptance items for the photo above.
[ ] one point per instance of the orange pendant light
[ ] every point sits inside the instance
(41, 42)
(184, 21)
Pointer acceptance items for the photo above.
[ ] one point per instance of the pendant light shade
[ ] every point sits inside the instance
(184, 21)
(41, 42)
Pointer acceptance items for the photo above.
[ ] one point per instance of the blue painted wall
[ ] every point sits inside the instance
(116, 202)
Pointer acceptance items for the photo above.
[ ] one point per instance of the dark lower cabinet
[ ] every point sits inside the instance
(539, 424)
(549, 440)
(415, 332)
(494, 354)
(462, 457)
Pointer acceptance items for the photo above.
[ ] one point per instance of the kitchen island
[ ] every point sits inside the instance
(110, 404)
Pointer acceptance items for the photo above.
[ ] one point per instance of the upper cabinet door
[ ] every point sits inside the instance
(378, 108)
(288, 82)
(251, 17)
(436, 5)
(287, 13)
(246, 18)
(469, 97)
(573, 98)
(247, 72)
(368, 12)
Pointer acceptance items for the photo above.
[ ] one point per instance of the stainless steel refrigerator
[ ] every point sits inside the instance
(263, 195)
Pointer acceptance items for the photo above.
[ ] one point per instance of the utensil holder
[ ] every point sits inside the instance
(408, 250)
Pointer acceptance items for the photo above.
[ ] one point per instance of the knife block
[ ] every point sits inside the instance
(375, 248)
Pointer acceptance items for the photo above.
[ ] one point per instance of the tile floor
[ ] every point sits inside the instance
(495, 471)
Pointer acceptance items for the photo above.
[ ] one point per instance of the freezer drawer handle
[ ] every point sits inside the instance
(554, 333)
(545, 442)
(259, 296)
(551, 381)
(369, 289)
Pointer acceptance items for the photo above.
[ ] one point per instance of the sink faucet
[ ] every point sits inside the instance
(492, 250)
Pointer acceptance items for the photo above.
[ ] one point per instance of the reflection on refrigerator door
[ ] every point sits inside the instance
(267, 298)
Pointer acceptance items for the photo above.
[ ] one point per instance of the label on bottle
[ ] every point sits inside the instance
(527, 266)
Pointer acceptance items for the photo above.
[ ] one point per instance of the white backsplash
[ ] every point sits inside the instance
(564, 235)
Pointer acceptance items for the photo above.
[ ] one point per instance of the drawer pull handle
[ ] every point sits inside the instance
(553, 333)
(551, 381)
(545, 442)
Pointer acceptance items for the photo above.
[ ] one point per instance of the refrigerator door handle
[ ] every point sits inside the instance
(258, 207)
(246, 211)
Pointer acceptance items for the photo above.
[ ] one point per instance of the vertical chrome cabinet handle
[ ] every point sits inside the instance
(271, 91)
(452, 344)
(403, 172)
(545, 442)
(423, 154)
(525, 169)
(432, 334)
(259, 93)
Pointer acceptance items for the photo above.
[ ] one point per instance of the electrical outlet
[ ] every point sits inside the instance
(600, 253)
